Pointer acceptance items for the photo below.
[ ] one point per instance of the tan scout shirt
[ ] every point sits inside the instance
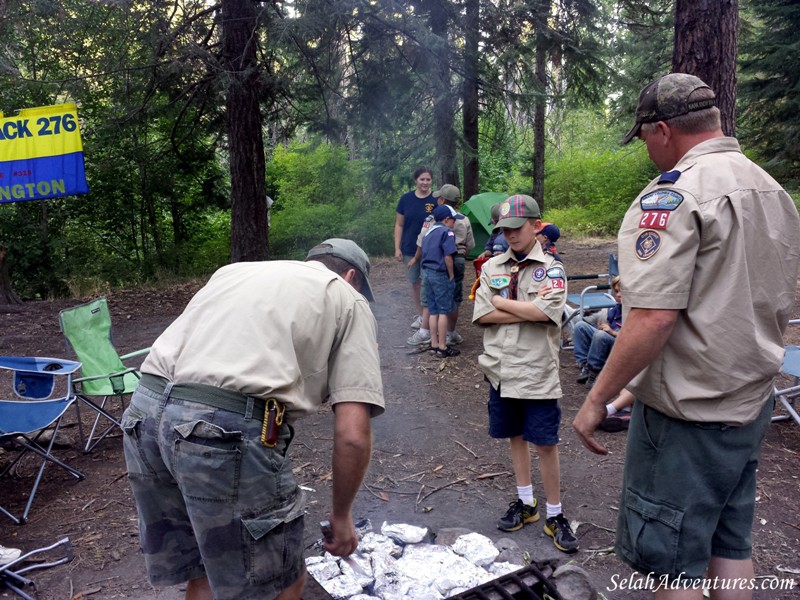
(720, 244)
(290, 330)
(465, 241)
(523, 357)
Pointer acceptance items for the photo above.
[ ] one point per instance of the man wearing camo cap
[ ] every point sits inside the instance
(709, 254)
(209, 426)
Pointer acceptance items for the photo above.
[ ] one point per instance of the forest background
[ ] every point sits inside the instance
(192, 112)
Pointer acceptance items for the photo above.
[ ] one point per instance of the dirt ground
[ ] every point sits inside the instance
(433, 463)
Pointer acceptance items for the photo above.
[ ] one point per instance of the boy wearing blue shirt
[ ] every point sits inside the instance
(438, 250)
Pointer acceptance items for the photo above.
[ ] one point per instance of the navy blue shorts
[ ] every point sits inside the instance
(537, 421)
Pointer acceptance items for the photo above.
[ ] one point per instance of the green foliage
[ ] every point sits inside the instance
(769, 102)
(319, 194)
(593, 180)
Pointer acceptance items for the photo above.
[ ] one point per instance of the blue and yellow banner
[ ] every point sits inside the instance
(41, 154)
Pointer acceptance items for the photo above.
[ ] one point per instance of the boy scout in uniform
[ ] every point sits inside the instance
(709, 252)
(465, 242)
(209, 426)
(519, 302)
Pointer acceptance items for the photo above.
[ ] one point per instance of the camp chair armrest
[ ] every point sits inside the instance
(591, 276)
(108, 376)
(135, 353)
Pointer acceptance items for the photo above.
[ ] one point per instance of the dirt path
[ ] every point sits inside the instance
(433, 463)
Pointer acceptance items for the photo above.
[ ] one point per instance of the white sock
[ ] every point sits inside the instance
(610, 410)
(525, 493)
(553, 510)
(423, 330)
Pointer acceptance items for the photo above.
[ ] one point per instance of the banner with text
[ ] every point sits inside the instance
(41, 154)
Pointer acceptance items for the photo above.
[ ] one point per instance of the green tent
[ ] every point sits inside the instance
(478, 210)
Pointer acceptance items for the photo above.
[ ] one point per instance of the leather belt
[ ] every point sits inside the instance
(225, 399)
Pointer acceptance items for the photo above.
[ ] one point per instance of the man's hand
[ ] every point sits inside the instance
(342, 539)
(586, 422)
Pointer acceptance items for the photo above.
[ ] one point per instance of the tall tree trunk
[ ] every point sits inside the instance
(706, 45)
(444, 100)
(540, 111)
(7, 295)
(470, 110)
(249, 212)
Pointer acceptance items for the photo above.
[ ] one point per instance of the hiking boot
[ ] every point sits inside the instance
(518, 514)
(419, 337)
(591, 378)
(584, 374)
(416, 323)
(453, 338)
(558, 528)
(616, 422)
(8, 555)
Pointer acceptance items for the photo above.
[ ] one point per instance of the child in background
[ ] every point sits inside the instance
(496, 243)
(438, 250)
(465, 242)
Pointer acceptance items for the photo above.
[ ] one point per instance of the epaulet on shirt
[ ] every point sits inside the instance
(669, 176)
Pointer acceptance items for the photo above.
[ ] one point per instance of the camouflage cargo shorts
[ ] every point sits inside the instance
(212, 500)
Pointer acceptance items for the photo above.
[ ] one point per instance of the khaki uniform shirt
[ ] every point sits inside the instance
(465, 241)
(293, 331)
(523, 357)
(718, 240)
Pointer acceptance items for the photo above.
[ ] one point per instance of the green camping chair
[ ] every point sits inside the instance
(88, 330)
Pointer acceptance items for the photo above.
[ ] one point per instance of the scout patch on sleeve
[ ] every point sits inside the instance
(647, 244)
(498, 282)
(538, 274)
(661, 200)
(557, 276)
(654, 219)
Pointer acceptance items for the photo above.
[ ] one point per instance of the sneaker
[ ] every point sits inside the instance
(518, 514)
(589, 384)
(416, 323)
(453, 338)
(558, 528)
(420, 337)
(616, 422)
(584, 374)
(8, 555)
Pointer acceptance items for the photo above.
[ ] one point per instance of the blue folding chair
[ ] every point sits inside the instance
(592, 298)
(24, 421)
(790, 369)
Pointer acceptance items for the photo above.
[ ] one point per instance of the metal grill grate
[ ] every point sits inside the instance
(526, 584)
